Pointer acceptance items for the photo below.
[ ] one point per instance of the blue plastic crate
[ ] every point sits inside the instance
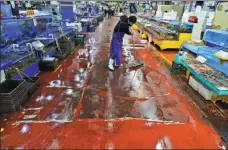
(85, 29)
(216, 37)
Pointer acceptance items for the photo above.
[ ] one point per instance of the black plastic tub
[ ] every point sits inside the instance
(64, 45)
(48, 65)
(32, 85)
(61, 55)
(70, 48)
(85, 23)
(10, 86)
(100, 19)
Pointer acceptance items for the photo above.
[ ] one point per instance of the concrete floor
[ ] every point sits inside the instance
(84, 105)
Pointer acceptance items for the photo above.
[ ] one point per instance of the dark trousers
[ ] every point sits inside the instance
(109, 16)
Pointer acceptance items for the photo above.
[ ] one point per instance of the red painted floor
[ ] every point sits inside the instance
(84, 105)
(169, 55)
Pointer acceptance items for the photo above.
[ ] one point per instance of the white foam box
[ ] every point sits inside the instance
(193, 83)
(206, 93)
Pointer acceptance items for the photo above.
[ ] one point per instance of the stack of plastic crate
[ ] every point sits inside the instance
(13, 93)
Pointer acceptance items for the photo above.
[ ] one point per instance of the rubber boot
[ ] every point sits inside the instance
(110, 65)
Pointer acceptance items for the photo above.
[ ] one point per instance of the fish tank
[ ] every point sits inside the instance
(164, 29)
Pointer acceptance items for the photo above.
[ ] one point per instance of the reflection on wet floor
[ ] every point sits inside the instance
(84, 105)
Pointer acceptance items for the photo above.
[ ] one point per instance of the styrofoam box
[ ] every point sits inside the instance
(206, 93)
(193, 83)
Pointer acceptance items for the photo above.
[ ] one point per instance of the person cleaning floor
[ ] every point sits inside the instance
(109, 13)
(122, 28)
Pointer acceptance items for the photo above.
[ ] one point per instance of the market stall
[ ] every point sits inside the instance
(163, 33)
(16, 43)
(207, 66)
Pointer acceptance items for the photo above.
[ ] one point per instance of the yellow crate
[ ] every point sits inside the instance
(143, 36)
(147, 34)
(157, 42)
(30, 12)
(135, 27)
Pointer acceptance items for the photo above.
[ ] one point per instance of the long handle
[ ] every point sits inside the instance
(133, 42)
(133, 78)
(21, 73)
(27, 77)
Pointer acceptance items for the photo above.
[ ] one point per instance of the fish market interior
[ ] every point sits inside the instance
(114, 74)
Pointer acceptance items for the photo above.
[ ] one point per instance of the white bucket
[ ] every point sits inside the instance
(143, 41)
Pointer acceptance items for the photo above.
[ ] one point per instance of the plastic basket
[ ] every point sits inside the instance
(85, 28)
(11, 88)
(13, 100)
(79, 39)
(64, 45)
(14, 107)
(32, 85)
(92, 28)
(48, 65)
(12, 94)
(61, 55)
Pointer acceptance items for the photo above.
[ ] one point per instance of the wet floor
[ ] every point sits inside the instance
(169, 54)
(84, 105)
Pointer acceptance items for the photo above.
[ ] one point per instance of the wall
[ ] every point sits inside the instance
(113, 3)
(178, 9)
(221, 16)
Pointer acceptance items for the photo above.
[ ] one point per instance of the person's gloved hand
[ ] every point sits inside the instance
(132, 31)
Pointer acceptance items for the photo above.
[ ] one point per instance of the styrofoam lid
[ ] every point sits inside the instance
(54, 3)
(38, 45)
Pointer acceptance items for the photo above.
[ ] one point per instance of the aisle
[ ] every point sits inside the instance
(84, 105)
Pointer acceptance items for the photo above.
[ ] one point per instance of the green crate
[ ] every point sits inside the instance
(79, 39)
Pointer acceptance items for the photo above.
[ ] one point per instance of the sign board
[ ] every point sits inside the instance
(222, 55)
(170, 16)
(201, 59)
(196, 32)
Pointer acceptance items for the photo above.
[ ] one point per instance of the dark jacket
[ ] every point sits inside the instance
(113, 12)
(109, 11)
(122, 25)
